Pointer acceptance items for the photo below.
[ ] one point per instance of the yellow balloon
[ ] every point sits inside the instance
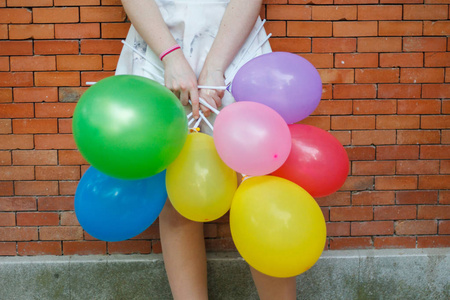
(277, 227)
(199, 184)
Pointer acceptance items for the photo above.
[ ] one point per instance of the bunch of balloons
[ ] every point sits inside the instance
(276, 224)
(129, 128)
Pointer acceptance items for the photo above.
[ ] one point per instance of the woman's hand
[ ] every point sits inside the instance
(213, 77)
(181, 80)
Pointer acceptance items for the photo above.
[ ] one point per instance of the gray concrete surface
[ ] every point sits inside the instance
(357, 274)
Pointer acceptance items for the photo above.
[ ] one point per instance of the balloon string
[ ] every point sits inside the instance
(190, 121)
(197, 123)
(213, 87)
(142, 55)
(202, 116)
(203, 102)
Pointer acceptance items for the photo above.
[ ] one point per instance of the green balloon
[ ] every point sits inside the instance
(129, 127)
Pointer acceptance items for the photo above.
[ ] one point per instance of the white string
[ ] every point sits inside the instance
(206, 121)
(202, 101)
(90, 82)
(191, 121)
(197, 123)
(142, 55)
(213, 87)
(189, 115)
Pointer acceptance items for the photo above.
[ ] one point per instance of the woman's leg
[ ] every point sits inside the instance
(184, 254)
(270, 288)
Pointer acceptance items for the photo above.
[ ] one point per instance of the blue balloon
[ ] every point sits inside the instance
(112, 209)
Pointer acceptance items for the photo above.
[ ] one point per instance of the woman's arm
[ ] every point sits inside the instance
(179, 76)
(236, 25)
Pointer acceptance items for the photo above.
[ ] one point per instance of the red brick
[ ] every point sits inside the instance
(417, 167)
(358, 183)
(395, 212)
(7, 219)
(436, 91)
(372, 228)
(373, 167)
(52, 141)
(39, 248)
(57, 173)
(16, 79)
(435, 122)
(16, 110)
(35, 188)
(69, 219)
(374, 107)
(4, 63)
(94, 76)
(434, 212)
(10, 142)
(156, 247)
(445, 139)
(30, 3)
(71, 157)
(356, 60)
(346, 243)
(16, 48)
(65, 125)
(77, 2)
(55, 47)
(35, 126)
(5, 158)
(6, 93)
(379, 44)
(35, 157)
(433, 241)
(373, 198)
(9, 234)
(335, 199)
(427, 44)
(309, 29)
(15, 15)
(396, 183)
(397, 122)
(54, 110)
(17, 203)
(338, 229)
(67, 188)
(436, 28)
(84, 247)
(400, 242)
(7, 249)
(352, 122)
(102, 14)
(326, 213)
(422, 107)
(445, 167)
(400, 28)
(37, 219)
(437, 59)
(414, 227)
(355, 29)
(412, 75)
(418, 137)
(425, 12)
(377, 75)
(399, 91)
(6, 188)
(57, 78)
(444, 227)
(71, 94)
(435, 152)
(379, 12)
(429, 182)
(351, 213)
(329, 13)
(16, 173)
(77, 31)
(322, 122)
(344, 137)
(110, 62)
(333, 45)
(101, 47)
(352, 91)
(334, 107)
(337, 75)
(417, 197)
(401, 60)
(55, 203)
(120, 30)
(5, 126)
(55, 15)
(291, 44)
(130, 247)
(64, 233)
(288, 12)
(32, 31)
(361, 153)
(36, 94)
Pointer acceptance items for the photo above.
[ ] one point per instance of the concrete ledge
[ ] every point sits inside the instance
(357, 274)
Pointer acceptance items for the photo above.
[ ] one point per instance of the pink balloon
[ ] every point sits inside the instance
(286, 82)
(251, 138)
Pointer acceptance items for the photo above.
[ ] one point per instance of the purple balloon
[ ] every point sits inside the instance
(286, 82)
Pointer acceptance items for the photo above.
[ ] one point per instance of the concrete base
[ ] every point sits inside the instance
(357, 274)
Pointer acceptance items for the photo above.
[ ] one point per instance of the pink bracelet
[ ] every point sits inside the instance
(171, 49)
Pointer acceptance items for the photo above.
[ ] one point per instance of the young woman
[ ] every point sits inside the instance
(186, 44)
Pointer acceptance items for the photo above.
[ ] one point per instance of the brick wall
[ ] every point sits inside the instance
(385, 66)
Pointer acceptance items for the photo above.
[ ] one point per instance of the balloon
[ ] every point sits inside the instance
(200, 185)
(251, 138)
(286, 82)
(277, 227)
(112, 209)
(317, 162)
(129, 127)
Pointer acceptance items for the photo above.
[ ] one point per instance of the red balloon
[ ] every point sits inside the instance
(317, 162)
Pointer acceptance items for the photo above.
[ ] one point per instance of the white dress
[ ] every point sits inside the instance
(194, 25)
